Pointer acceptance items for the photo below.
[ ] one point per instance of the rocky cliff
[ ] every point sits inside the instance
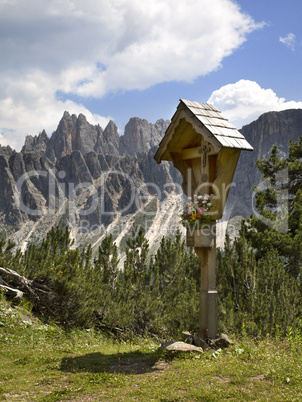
(272, 128)
(83, 176)
(77, 134)
(141, 135)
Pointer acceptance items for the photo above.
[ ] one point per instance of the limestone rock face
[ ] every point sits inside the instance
(36, 144)
(31, 184)
(6, 150)
(73, 134)
(272, 128)
(108, 140)
(63, 139)
(141, 135)
(76, 134)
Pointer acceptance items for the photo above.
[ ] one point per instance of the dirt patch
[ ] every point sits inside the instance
(86, 398)
(222, 379)
(259, 377)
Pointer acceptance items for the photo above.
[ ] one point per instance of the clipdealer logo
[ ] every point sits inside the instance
(65, 197)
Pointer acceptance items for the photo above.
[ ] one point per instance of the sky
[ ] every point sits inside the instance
(117, 59)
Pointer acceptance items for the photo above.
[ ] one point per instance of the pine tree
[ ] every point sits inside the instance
(107, 261)
(135, 280)
(280, 204)
(259, 275)
(175, 286)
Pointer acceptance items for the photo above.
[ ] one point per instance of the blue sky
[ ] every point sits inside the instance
(117, 59)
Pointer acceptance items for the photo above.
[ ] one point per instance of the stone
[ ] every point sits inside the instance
(187, 337)
(201, 343)
(222, 341)
(179, 347)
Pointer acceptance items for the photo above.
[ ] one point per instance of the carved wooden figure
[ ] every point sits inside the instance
(205, 147)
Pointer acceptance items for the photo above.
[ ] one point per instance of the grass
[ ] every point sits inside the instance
(47, 363)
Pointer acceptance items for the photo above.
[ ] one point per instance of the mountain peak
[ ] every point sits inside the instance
(75, 133)
(141, 135)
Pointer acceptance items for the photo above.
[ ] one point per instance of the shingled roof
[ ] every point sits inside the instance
(210, 119)
(224, 132)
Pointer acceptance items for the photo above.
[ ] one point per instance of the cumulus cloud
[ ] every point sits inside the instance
(244, 101)
(29, 105)
(91, 47)
(289, 40)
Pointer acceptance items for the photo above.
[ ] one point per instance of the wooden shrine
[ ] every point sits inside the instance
(205, 147)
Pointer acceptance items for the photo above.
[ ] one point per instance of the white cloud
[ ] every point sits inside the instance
(289, 40)
(30, 106)
(92, 47)
(245, 101)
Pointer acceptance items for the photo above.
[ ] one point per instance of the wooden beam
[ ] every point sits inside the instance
(191, 153)
(196, 152)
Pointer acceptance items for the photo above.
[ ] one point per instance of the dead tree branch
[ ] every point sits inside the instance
(40, 295)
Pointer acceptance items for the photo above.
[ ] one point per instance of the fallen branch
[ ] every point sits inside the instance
(40, 295)
(105, 327)
(16, 294)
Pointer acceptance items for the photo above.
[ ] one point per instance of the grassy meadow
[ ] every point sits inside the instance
(47, 363)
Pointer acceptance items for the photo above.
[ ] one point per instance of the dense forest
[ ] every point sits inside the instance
(258, 275)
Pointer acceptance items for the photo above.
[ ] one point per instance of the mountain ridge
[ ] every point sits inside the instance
(75, 133)
(81, 163)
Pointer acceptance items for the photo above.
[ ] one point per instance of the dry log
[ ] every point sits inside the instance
(11, 292)
(105, 327)
(40, 295)
(21, 281)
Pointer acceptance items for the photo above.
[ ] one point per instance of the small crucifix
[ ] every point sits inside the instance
(204, 150)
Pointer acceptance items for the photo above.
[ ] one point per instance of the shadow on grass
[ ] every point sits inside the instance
(128, 363)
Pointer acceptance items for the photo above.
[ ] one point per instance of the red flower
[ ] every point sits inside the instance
(198, 215)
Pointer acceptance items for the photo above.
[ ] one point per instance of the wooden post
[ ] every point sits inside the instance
(205, 148)
(208, 299)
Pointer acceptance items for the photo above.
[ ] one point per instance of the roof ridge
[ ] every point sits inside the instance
(204, 106)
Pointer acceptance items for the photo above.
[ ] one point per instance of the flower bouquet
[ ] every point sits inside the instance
(195, 214)
(196, 219)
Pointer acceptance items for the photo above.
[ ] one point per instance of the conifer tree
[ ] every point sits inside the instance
(107, 261)
(175, 286)
(135, 280)
(259, 275)
(280, 204)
